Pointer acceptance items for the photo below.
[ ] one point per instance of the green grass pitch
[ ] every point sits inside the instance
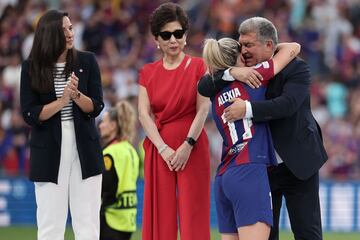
(29, 233)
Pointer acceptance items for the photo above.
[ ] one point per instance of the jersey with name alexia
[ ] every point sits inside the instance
(243, 140)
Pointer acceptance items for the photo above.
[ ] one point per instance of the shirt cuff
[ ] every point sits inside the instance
(249, 113)
(227, 76)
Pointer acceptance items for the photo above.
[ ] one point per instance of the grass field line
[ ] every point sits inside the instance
(29, 233)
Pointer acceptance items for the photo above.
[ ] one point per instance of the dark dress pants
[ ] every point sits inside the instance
(107, 233)
(302, 202)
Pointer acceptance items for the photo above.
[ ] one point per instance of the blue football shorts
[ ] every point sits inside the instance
(243, 197)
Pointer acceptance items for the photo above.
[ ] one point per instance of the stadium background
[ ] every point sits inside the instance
(118, 32)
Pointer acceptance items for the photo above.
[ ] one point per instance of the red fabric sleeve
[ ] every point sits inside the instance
(266, 69)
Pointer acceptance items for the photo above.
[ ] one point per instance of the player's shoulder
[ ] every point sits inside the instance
(265, 64)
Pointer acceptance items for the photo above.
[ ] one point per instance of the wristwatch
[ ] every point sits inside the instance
(191, 141)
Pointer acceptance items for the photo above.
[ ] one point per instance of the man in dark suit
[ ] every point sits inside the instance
(296, 134)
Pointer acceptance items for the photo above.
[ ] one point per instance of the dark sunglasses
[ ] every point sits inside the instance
(178, 34)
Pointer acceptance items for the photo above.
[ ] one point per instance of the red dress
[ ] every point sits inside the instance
(172, 96)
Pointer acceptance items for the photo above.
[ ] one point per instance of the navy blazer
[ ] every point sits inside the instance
(296, 134)
(45, 137)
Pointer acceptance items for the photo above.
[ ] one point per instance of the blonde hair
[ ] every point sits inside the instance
(125, 117)
(221, 54)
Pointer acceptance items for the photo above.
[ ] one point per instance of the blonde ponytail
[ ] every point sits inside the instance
(220, 54)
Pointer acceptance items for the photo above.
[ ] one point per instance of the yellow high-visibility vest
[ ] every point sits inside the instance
(121, 215)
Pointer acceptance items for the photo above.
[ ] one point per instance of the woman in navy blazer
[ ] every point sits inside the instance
(60, 97)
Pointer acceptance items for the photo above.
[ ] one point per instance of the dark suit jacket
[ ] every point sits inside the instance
(45, 138)
(296, 134)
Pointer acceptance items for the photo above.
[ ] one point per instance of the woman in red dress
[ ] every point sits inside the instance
(172, 113)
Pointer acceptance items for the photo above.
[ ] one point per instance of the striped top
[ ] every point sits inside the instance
(60, 81)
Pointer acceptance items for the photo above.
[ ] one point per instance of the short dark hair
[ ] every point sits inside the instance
(165, 13)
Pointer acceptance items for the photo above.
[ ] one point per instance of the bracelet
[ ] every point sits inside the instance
(162, 148)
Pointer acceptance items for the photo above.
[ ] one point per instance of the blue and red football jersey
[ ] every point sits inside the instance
(243, 140)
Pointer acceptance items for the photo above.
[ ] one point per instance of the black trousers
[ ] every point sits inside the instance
(302, 203)
(107, 233)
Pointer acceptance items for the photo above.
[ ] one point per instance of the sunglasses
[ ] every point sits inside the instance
(166, 35)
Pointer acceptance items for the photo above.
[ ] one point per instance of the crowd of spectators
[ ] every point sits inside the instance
(118, 32)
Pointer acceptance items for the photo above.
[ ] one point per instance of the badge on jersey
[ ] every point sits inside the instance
(108, 161)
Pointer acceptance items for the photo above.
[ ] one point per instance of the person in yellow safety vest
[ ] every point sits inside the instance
(119, 200)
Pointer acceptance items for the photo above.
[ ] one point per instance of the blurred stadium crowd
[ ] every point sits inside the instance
(118, 32)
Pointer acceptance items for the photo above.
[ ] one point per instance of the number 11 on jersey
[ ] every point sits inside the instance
(233, 133)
